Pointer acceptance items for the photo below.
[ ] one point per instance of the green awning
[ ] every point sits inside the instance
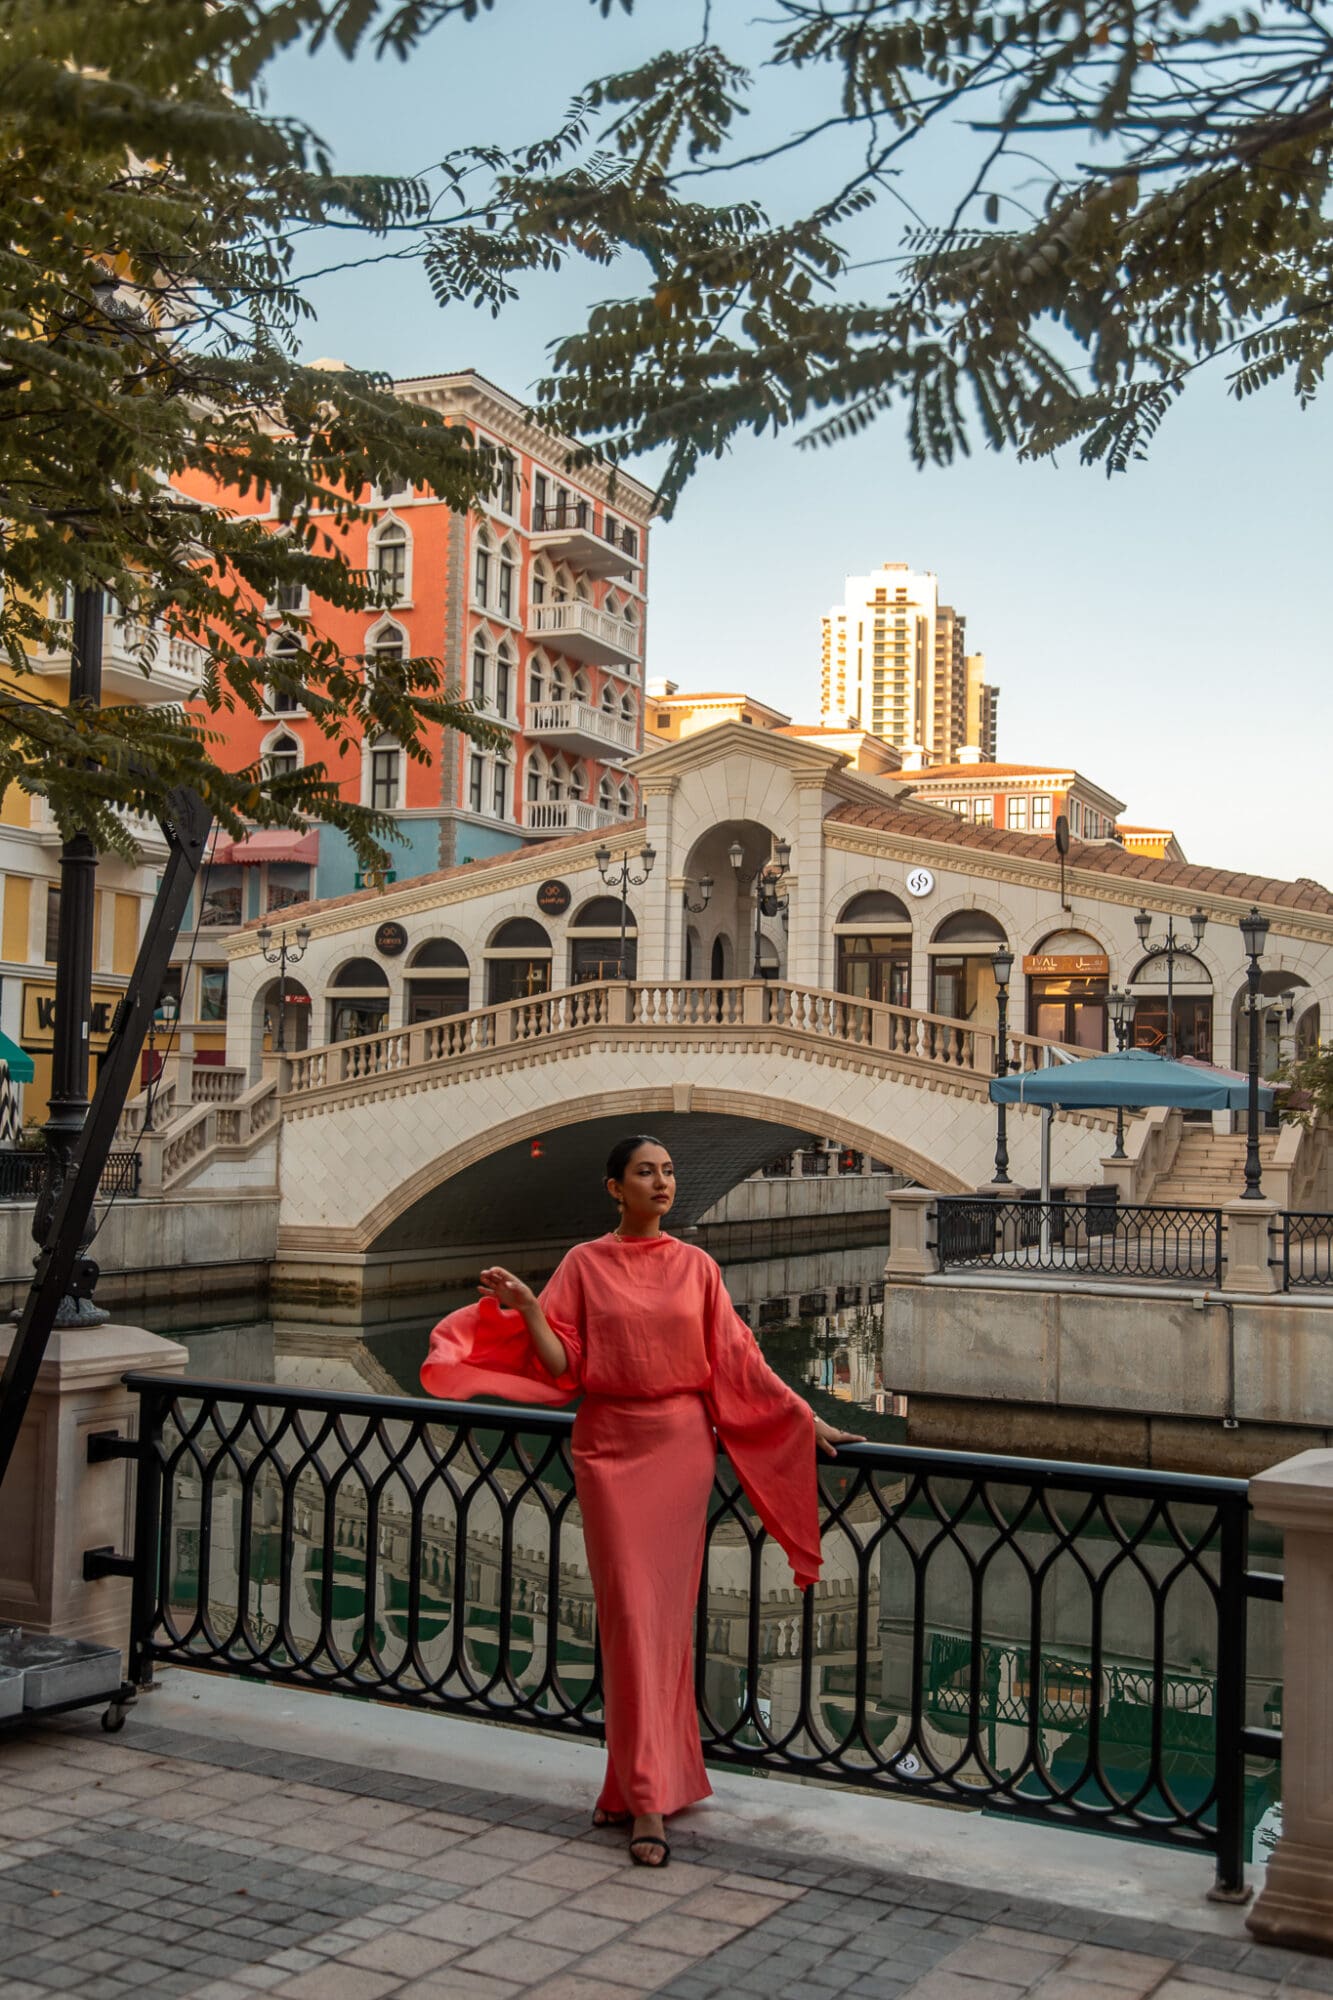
(20, 1062)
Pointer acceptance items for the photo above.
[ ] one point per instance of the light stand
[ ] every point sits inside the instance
(1171, 949)
(163, 1016)
(1254, 933)
(766, 883)
(620, 878)
(282, 955)
(706, 890)
(1002, 964)
(1121, 1008)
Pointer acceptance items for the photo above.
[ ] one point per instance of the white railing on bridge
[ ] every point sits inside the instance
(765, 1007)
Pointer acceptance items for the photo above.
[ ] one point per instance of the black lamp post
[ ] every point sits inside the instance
(620, 878)
(1171, 949)
(282, 955)
(1254, 933)
(163, 1017)
(766, 883)
(1121, 1008)
(1002, 964)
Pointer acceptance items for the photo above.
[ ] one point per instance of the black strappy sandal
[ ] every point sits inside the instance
(601, 1817)
(649, 1840)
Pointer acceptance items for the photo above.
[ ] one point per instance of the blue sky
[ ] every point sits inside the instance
(1168, 631)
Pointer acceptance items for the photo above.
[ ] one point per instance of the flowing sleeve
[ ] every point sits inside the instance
(768, 1433)
(484, 1349)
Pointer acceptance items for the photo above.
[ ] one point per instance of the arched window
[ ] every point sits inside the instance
(436, 978)
(627, 710)
(578, 781)
(386, 647)
(596, 950)
(483, 568)
(286, 648)
(500, 785)
(538, 671)
(606, 795)
(559, 682)
(481, 672)
(608, 701)
(625, 800)
(1067, 990)
(873, 948)
(390, 552)
(504, 680)
(1191, 1006)
(282, 754)
(506, 570)
(578, 686)
(359, 1000)
(518, 962)
(535, 776)
(555, 778)
(541, 584)
(962, 984)
(563, 588)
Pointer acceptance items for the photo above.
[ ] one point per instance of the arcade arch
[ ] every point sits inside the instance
(873, 948)
(437, 978)
(358, 1000)
(518, 961)
(595, 950)
(962, 984)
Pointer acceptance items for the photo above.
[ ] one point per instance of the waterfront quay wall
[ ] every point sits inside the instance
(195, 1249)
(1187, 1379)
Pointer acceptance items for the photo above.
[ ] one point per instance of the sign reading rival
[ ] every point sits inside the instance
(1083, 965)
(390, 940)
(554, 898)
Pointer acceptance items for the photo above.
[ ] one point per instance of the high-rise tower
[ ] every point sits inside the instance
(895, 662)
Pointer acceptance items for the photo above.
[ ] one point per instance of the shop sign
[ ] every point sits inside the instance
(1083, 965)
(920, 882)
(39, 1015)
(390, 940)
(554, 898)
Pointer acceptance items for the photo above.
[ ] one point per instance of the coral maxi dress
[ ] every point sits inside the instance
(662, 1360)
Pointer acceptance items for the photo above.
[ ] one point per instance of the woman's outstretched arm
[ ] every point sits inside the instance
(507, 1290)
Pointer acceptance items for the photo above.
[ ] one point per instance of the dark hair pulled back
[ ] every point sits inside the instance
(623, 1152)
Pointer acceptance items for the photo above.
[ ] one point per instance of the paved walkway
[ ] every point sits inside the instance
(163, 1862)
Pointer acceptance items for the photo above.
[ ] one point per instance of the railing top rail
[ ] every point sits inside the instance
(1127, 1480)
(989, 1203)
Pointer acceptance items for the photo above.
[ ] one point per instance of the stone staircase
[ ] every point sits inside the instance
(1209, 1168)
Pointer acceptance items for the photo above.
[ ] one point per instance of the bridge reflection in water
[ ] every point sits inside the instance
(994, 1632)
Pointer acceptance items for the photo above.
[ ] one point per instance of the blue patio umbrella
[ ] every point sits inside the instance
(1134, 1079)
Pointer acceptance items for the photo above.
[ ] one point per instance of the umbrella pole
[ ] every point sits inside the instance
(1047, 1113)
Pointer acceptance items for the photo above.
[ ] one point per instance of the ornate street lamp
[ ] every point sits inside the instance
(766, 882)
(706, 893)
(282, 955)
(164, 1016)
(1171, 949)
(1121, 1009)
(1002, 964)
(620, 878)
(1254, 935)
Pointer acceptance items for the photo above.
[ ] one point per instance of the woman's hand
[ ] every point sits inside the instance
(505, 1288)
(828, 1440)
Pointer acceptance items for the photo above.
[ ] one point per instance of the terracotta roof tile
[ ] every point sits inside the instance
(1104, 857)
(545, 847)
(952, 771)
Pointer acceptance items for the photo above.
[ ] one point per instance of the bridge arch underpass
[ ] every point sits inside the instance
(493, 1190)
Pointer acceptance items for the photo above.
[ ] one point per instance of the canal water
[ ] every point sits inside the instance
(818, 1317)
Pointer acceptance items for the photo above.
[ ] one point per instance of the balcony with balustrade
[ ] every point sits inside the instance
(566, 816)
(584, 729)
(587, 538)
(140, 662)
(581, 632)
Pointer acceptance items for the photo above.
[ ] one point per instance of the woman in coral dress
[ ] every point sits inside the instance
(638, 1324)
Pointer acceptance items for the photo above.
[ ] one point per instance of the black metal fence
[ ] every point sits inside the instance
(21, 1175)
(1307, 1251)
(1101, 1239)
(1066, 1642)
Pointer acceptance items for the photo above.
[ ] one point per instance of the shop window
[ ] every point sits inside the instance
(220, 908)
(213, 993)
(437, 981)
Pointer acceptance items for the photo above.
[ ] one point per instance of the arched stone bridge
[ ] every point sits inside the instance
(411, 1150)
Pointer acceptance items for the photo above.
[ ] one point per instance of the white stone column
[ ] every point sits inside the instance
(910, 1255)
(1247, 1246)
(56, 1505)
(1295, 1906)
(805, 944)
(661, 949)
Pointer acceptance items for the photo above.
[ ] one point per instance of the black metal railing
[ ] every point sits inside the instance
(1307, 1251)
(996, 1631)
(21, 1176)
(564, 516)
(1100, 1239)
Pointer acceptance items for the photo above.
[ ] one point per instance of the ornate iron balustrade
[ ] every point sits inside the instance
(977, 1232)
(1307, 1251)
(430, 1554)
(21, 1176)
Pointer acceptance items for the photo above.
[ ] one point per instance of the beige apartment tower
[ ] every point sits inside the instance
(895, 662)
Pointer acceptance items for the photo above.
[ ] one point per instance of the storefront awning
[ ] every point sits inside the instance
(19, 1061)
(267, 843)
